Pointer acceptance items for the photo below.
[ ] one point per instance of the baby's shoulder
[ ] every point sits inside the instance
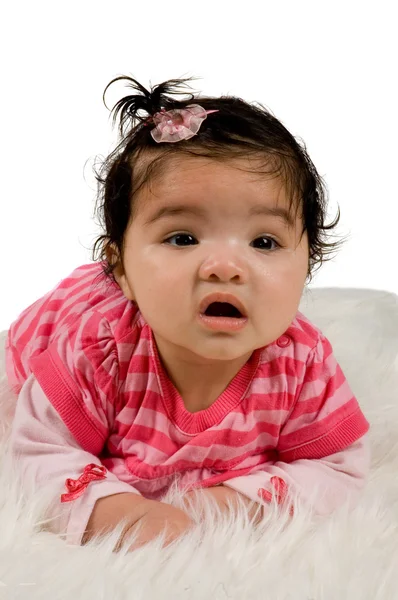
(106, 313)
(304, 333)
(82, 309)
(293, 348)
(284, 363)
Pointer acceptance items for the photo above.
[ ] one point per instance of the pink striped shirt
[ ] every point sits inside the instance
(95, 359)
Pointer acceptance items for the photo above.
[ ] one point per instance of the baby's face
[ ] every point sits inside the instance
(202, 228)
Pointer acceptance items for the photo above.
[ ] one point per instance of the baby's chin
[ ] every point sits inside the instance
(224, 350)
(211, 348)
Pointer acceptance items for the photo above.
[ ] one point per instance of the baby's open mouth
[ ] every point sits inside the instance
(222, 309)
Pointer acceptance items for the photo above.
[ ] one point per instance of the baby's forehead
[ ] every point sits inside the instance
(184, 179)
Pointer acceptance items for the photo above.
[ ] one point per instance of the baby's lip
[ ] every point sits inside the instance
(222, 297)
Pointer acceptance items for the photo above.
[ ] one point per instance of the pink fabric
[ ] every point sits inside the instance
(96, 361)
(47, 451)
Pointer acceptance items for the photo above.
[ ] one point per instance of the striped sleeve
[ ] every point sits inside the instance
(46, 455)
(78, 373)
(326, 417)
(324, 484)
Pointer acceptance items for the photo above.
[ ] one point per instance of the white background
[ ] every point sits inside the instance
(326, 69)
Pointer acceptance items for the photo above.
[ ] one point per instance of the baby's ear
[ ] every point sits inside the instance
(113, 258)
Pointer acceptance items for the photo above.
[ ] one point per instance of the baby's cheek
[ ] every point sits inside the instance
(280, 300)
(289, 274)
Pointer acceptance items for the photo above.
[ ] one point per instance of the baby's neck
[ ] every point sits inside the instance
(197, 396)
(199, 385)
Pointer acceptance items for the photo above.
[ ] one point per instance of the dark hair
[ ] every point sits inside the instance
(238, 129)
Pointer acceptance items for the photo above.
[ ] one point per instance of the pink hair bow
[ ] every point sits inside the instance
(178, 124)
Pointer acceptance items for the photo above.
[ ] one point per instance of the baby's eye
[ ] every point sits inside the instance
(181, 239)
(262, 242)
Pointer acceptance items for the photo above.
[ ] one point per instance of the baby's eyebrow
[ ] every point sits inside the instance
(176, 210)
(197, 211)
(274, 211)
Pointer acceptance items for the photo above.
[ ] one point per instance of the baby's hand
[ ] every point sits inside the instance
(156, 518)
(226, 498)
(148, 517)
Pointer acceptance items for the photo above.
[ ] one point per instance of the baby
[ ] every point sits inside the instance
(179, 356)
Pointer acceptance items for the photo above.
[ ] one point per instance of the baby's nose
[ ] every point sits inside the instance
(223, 266)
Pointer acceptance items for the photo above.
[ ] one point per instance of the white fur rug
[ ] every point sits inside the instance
(349, 555)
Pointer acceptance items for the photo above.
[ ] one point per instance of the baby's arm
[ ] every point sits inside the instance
(47, 453)
(324, 483)
(323, 446)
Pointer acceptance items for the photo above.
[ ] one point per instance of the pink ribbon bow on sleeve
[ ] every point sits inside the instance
(76, 487)
(280, 492)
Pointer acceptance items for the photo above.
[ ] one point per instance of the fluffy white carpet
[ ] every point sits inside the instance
(349, 555)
